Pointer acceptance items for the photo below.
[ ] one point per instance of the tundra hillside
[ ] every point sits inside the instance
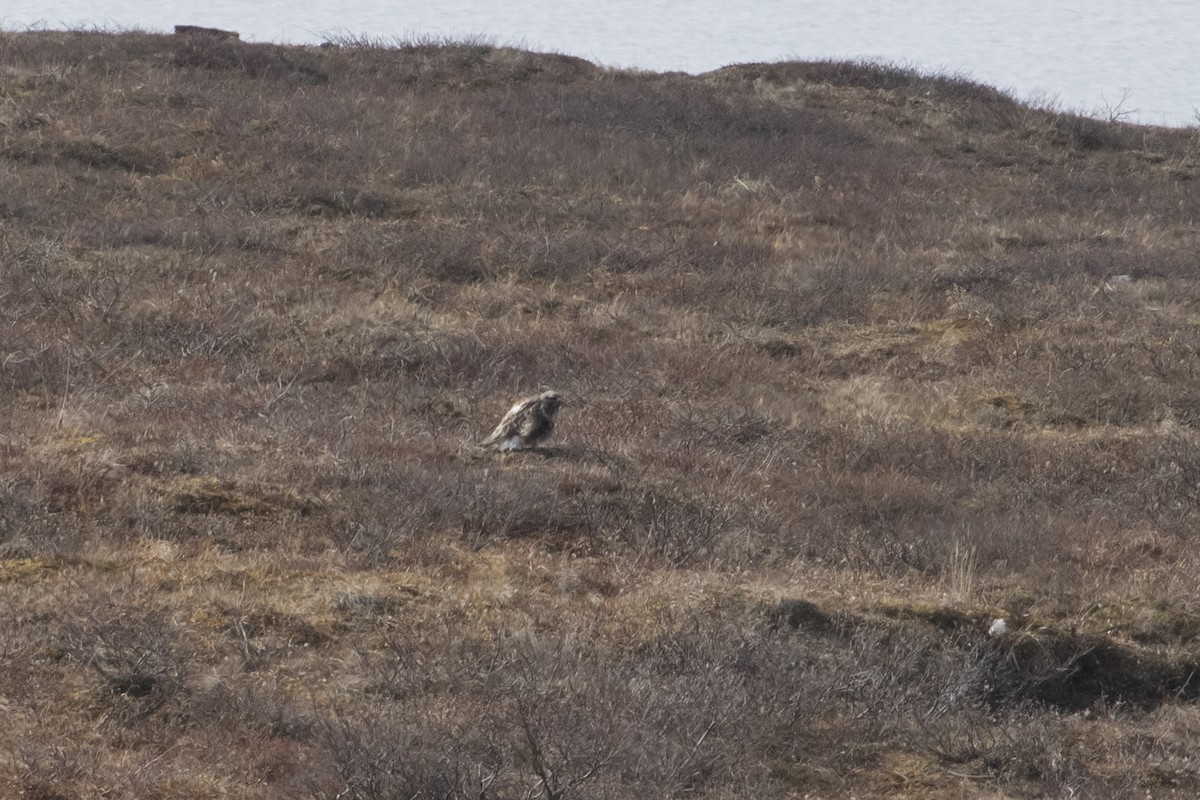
(856, 361)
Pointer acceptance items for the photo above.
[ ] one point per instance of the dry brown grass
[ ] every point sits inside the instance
(856, 359)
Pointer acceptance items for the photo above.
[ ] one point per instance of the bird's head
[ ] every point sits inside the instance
(551, 400)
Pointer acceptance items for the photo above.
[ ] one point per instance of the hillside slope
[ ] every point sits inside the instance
(856, 361)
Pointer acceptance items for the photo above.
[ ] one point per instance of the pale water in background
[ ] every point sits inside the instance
(1101, 57)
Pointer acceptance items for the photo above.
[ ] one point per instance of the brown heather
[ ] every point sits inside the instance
(857, 360)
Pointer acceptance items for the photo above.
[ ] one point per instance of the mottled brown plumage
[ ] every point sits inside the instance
(528, 422)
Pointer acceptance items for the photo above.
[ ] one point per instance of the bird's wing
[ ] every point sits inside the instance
(510, 425)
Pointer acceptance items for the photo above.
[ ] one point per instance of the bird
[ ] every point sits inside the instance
(528, 422)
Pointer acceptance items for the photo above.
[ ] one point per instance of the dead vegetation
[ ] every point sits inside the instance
(857, 360)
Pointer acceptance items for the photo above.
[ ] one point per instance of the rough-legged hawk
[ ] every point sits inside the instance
(528, 422)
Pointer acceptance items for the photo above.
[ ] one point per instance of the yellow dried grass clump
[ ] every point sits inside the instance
(209, 495)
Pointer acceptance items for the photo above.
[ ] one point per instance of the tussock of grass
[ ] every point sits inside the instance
(857, 360)
(214, 496)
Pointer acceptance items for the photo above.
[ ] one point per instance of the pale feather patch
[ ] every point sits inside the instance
(511, 443)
